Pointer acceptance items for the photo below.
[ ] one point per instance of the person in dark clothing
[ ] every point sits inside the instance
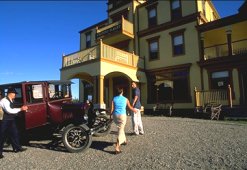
(136, 116)
(8, 123)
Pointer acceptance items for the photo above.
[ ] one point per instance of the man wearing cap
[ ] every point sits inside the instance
(8, 123)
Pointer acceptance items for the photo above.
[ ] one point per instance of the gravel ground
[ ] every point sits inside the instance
(168, 143)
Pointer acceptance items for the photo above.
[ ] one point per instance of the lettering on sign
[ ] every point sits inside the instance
(108, 31)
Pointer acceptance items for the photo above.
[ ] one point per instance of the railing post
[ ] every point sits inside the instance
(100, 48)
(133, 55)
(195, 96)
(230, 95)
(123, 23)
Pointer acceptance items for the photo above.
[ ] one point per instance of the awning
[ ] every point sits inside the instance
(167, 83)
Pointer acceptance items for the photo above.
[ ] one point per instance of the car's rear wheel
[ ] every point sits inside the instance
(76, 138)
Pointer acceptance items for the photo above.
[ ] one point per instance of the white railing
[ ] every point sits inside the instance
(81, 56)
(122, 25)
(219, 96)
(238, 48)
(99, 30)
(103, 51)
(127, 26)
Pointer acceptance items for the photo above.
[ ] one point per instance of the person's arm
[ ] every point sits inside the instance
(112, 109)
(6, 106)
(134, 100)
(130, 107)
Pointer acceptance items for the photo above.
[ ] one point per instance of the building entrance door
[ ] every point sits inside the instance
(243, 86)
(121, 82)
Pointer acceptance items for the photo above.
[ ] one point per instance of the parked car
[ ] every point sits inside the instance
(50, 106)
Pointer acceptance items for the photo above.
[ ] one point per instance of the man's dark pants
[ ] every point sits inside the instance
(9, 128)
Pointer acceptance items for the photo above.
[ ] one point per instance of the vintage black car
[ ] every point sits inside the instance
(50, 106)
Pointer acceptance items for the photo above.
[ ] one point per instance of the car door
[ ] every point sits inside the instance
(36, 115)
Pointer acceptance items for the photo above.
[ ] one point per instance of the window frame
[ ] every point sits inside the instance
(150, 41)
(88, 43)
(174, 75)
(31, 92)
(154, 20)
(173, 36)
(177, 12)
(215, 71)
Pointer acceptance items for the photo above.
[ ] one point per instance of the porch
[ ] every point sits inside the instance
(98, 67)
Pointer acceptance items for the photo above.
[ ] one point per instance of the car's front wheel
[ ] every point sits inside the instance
(102, 119)
(76, 138)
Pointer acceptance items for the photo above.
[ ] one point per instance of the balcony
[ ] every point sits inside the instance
(103, 52)
(116, 32)
(221, 50)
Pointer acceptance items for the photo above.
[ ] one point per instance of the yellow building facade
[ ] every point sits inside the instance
(168, 47)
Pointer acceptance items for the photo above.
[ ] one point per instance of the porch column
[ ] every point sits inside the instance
(98, 92)
(229, 40)
(110, 91)
(101, 91)
(95, 90)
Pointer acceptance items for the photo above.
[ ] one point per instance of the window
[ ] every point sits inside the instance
(178, 46)
(152, 17)
(176, 10)
(118, 16)
(153, 48)
(18, 97)
(220, 80)
(34, 93)
(169, 86)
(88, 40)
(59, 91)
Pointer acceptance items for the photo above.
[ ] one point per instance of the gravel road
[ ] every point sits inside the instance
(168, 143)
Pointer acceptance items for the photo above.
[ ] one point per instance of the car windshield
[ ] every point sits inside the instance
(59, 91)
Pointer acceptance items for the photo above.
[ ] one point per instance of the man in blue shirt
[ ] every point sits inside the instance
(136, 117)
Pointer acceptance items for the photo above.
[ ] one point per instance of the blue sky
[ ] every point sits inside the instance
(35, 34)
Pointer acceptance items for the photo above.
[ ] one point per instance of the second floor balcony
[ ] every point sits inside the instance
(224, 40)
(116, 31)
(103, 52)
(238, 47)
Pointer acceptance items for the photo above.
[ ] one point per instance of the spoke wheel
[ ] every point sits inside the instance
(76, 138)
(102, 119)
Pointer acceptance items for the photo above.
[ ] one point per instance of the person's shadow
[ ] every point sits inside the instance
(101, 145)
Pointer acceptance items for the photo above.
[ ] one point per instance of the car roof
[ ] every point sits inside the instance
(56, 82)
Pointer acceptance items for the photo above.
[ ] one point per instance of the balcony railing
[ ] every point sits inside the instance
(123, 25)
(238, 48)
(219, 96)
(81, 56)
(103, 51)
